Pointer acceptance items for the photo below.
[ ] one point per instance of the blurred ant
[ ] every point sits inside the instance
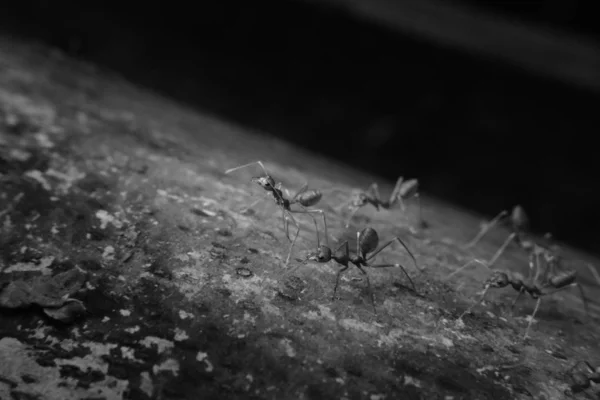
(542, 280)
(582, 381)
(402, 191)
(519, 226)
(303, 198)
(367, 241)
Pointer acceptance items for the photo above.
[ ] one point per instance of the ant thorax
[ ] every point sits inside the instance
(279, 199)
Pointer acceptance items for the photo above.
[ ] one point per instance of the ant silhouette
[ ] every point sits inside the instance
(582, 381)
(303, 198)
(403, 190)
(541, 281)
(519, 226)
(367, 241)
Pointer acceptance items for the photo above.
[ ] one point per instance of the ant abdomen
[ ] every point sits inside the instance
(563, 279)
(309, 198)
(409, 188)
(519, 219)
(369, 240)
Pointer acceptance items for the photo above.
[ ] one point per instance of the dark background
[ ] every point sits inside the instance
(474, 131)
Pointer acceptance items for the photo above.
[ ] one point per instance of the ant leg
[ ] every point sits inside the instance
(594, 272)
(537, 306)
(396, 266)
(468, 310)
(230, 170)
(510, 238)
(395, 195)
(369, 287)
(474, 261)
(422, 222)
(287, 260)
(521, 291)
(346, 249)
(582, 294)
(353, 212)
(486, 228)
(583, 298)
(286, 228)
(337, 278)
(309, 212)
(390, 242)
(358, 252)
(322, 213)
(402, 204)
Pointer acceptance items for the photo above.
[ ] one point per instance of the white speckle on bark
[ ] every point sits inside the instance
(106, 218)
(185, 315)
(161, 344)
(146, 384)
(171, 365)
(409, 380)
(109, 253)
(39, 177)
(289, 350)
(180, 335)
(132, 329)
(128, 353)
(203, 357)
(42, 266)
(43, 140)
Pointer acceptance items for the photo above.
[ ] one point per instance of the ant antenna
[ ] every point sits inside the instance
(486, 228)
(247, 165)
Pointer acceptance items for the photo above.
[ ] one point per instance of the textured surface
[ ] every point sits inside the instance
(186, 296)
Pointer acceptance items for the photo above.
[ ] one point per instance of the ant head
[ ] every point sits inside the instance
(266, 182)
(497, 280)
(322, 255)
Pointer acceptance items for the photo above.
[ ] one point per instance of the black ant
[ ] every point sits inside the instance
(366, 242)
(546, 280)
(303, 198)
(582, 381)
(402, 191)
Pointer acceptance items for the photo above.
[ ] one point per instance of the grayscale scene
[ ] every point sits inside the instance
(299, 200)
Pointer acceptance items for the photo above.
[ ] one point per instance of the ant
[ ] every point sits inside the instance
(582, 381)
(546, 281)
(367, 241)
(303, 198)
(402, 191)
(519, 225)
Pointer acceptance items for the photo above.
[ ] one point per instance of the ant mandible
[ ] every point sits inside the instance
(303, 198)
(403, 190)
(367, 241)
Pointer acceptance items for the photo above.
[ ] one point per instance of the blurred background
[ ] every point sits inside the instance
(489, 104)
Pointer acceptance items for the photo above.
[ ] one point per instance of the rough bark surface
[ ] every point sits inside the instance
(186, 295)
